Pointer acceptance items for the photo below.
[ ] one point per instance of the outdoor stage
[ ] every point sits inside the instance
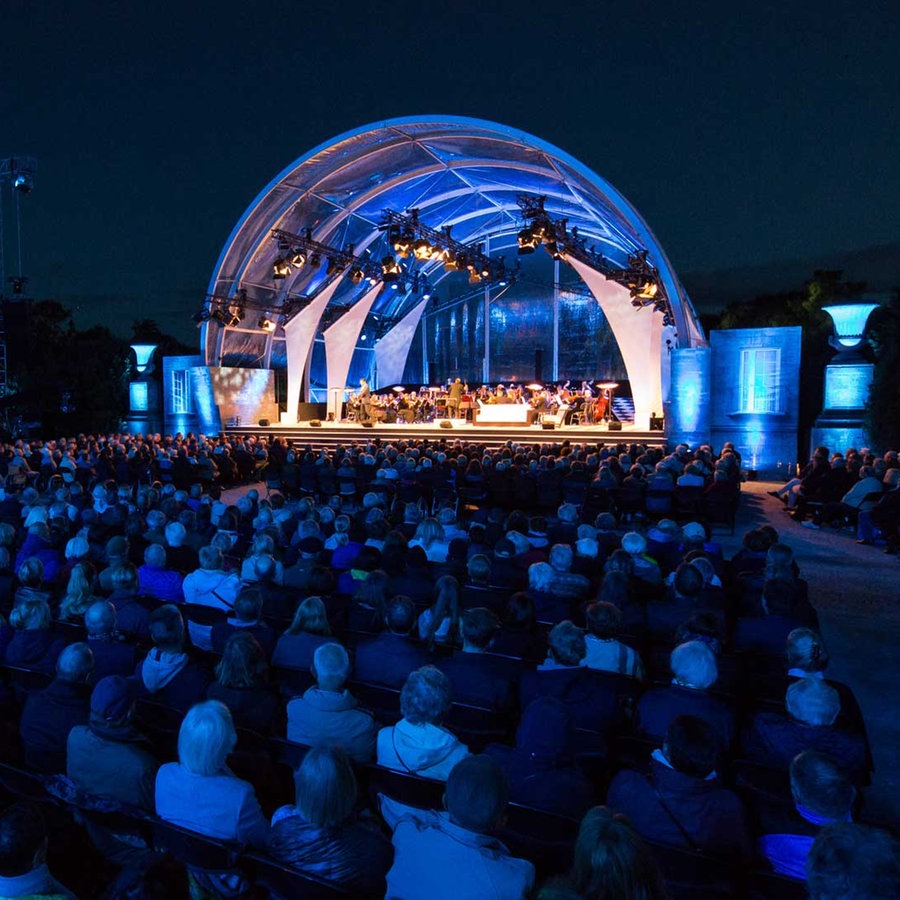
(330, 433)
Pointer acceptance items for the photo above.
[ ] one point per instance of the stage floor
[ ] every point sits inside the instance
(332, 433)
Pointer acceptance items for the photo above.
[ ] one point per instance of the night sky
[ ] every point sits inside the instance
(743, 132)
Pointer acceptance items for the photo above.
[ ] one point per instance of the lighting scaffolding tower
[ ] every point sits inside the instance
(18, 173)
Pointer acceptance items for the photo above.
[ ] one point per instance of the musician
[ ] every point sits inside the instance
(454, 395)
(364, 396)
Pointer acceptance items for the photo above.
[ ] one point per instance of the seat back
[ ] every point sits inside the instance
(282, 881)
(200, 614)
(196, 851)
(423, 793)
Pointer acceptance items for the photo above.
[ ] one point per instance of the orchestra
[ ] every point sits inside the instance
(589, 404)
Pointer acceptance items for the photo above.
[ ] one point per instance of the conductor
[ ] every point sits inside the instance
(454, 395)
(365, 401)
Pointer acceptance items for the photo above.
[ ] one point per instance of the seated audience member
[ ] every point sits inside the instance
(439, 623)
(308, 550)
(329, 714)
(242, 684)
(611, 861)
(822, 795)
(132, 616)
(683, 599)
(199, 792)
(853, 862)
(210, 585)
(23, 855)
(320, 833)
(566, 583)
(180, 554)
(450, 855)
(768, 633)
(115, 556)
(263, 546)
(694, 672)
(112, 654)
(773, 739)
(477, 677)
(604, 650)
(30, 576)
(645, 567)
(158, 581)
(418, 744)
(49, 715)
(247, 611)
(807, 657)
(108, 757)
(591, 701)
(34, 645)
(80, 592)
(308, 631)
(167, 673)
(681, 801)
(549, 607)
(389, 657)
(430, 537)
(369, 603)
(518, 634)
(541, 768)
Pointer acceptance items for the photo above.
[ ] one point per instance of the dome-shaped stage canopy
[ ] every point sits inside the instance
(465, 174)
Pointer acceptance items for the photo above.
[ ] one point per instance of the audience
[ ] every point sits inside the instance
(23, 855)
(242, 684)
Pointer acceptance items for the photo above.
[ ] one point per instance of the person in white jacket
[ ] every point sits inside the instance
(418, 744)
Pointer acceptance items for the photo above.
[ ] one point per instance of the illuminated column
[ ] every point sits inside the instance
(145, 409)
(688, 410)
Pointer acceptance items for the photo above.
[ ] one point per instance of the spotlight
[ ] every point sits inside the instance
(422, 249)
(390, 268)
(553, 249)
(528, 241)
(298, 259)
(356, 275)
(315, 260)
(645, 291)
(474, 275)
(266, 324)
(281, 268)
(334, 267)
(23, 183)
(404, 244)
(220, 316)
(201, 316)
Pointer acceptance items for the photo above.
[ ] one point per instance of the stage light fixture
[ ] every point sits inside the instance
(315, 260)
(298, 259)
(281, 268)
(356, 275)
(645, 291)
(422, 249)
(528, 241)
(403, 244)
(474, 275)
(266, 324)
(553, 249)
(23, 183)
(334, 267)
(390, 269)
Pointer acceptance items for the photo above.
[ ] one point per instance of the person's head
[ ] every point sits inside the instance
(206, 737)
(429, 531)
(566, 643)
(100, 619)
(210, 558)
(603, 620)
(124, 578)
(31, 615)
(779, 562)
(23, 839)
(325, 787)
(243, 663)
(612, 861)
(167, 628)
(112, 701)
(519, 613)
(82, 580)
(425, 698)
(703, 627)
(331, 667)
(813, 701)
(77, 548)
(477, 794)
(853, 862)
(117, 550)
(311, 617)
(561, 557)
(479, 569)
(155, 556)
(75, 664)
(400, 615)
(633, 543)
(820, 786)
(806, 650)
(248, 605)
(691, 746)
(540, 577)
(31, 572)
(688, 581)
(478, 626)
(175, 534)
(619, 561)
(694, 665)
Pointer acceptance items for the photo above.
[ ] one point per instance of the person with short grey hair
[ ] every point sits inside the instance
(418, 744)
(328, 713)
(49, 715)
(156, 579)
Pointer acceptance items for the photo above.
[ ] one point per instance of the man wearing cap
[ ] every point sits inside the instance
(108, 757)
